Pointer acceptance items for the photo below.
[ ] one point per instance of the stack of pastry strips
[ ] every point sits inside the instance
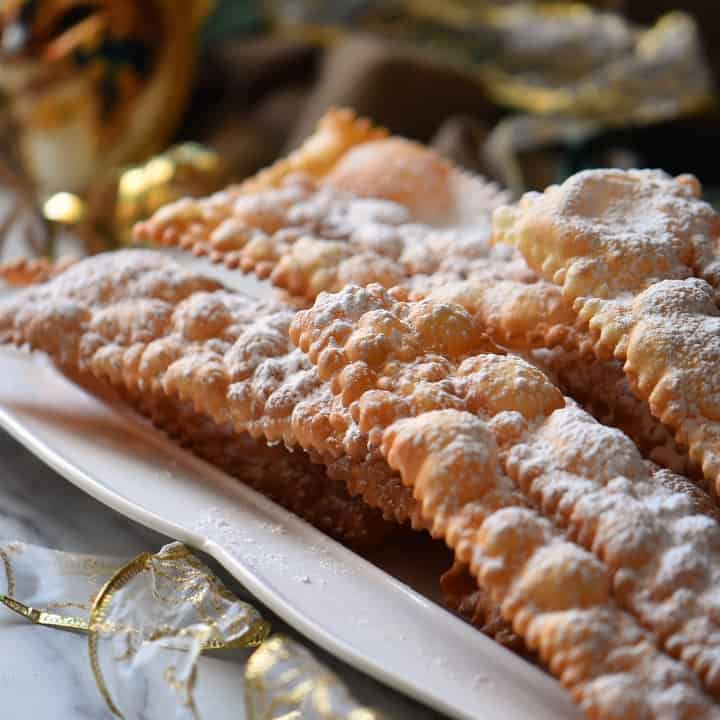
(443, 381)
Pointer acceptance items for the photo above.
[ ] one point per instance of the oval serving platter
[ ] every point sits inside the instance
(354, 609)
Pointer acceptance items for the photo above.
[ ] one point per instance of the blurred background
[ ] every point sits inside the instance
(109, 108)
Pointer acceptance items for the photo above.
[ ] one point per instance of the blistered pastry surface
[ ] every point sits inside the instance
(637, 253)
(143, 322)
(414, 366)
(410, 397)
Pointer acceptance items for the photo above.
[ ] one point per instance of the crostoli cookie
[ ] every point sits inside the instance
(142, 322)
(637, 253)
(408, 370)
(383, 209)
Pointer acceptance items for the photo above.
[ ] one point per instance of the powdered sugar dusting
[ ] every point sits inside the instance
(389, 210)
(637, 251)
(423, 408)
(646, 527)
(603, 389)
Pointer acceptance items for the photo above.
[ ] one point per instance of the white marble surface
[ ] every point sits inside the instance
(44, 673)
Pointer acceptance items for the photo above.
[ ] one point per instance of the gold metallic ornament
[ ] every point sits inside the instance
(42, 617)
(105, 216)
(186, 170)
(152, 619)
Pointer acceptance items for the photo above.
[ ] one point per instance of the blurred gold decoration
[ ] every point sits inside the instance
(546, 58)
(185, 170)
(64, 208)
(571, 60)
(95, 84)
(106, 215)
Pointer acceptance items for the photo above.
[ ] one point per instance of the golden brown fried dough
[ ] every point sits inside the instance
(374, 209)
(392, 361)
(30, 271)
(636, 252)
(144, 323)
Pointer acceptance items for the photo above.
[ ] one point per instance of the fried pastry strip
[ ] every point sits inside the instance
(602, 388)
(463, 595)
(389, 360)
(309, 237)
(662, 553)
(337, 132)
(557, 595)
(142, 322)
(384, 210)
(636, 251)
(30, 271)
(389, 211)
(288, 478)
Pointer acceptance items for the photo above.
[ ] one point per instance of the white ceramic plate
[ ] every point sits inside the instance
(349, 606)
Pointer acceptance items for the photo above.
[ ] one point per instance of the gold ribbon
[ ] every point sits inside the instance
(165, 609)
(283, 681)
(42, 617)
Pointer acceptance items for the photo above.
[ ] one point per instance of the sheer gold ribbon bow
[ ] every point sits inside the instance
(149, 620)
